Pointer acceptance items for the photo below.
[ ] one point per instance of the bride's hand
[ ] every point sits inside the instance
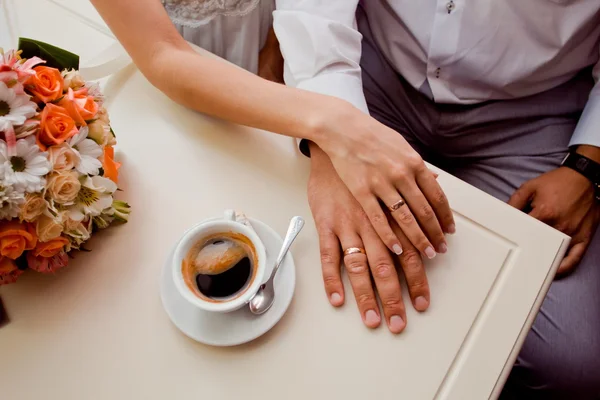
(379, 166)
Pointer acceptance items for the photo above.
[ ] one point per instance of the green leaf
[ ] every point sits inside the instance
(55, 57)
(112, 132)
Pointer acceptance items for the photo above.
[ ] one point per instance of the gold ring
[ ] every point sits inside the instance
(397, 205)
(354, 250)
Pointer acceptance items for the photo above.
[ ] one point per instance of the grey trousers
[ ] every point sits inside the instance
(497, 146)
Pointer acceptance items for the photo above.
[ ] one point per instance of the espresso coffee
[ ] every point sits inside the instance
(220, 267)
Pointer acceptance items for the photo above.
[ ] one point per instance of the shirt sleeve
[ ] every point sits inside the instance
(321, 47)
(588, 128)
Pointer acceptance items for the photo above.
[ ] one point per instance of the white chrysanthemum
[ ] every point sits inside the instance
(88, 152)
(11, 199)
(26, 168)
(94, 197)
(14, 108)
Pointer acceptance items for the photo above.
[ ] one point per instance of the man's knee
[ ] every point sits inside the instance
(572, 370)
(559, 364)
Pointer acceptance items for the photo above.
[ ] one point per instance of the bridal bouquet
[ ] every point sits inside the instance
(58, 175)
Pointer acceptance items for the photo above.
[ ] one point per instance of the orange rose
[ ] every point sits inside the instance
(110, 167)
(15, 238)
(80, 106)
(50, 248)
(46, 85)
(56, 126)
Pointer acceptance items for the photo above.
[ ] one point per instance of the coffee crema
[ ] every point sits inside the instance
(220, 267)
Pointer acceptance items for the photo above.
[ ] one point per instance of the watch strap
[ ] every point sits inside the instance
(586, 167)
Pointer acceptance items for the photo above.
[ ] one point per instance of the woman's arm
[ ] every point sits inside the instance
(210, 85)
(371, 159)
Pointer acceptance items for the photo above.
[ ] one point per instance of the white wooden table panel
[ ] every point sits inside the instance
(97, 330)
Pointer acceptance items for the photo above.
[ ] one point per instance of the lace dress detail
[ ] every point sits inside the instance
(195, 13)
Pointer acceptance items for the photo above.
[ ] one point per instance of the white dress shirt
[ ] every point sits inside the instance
(458, 51)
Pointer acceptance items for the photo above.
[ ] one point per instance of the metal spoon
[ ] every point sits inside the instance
(265, 296)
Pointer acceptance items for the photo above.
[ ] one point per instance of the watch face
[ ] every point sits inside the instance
(586, 167)
(581, 164)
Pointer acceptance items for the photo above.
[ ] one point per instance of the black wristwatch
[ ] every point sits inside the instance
(586, 167)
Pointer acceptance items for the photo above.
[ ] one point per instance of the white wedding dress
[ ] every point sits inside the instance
(235, 30)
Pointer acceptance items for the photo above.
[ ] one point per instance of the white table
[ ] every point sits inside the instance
(97, 330)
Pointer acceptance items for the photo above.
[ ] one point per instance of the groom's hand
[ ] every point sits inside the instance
(565, 200)
(342, 224)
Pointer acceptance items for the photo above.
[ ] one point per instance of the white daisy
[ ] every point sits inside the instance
(94, 197)
(27, 167)
(14, 108)
(87, 151)
(11, 199)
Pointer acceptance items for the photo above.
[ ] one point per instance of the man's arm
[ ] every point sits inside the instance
(586, 137)
(564, 198)
(321, 47)
(322, 50)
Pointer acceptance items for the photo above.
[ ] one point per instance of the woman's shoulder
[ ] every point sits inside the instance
(194, 13)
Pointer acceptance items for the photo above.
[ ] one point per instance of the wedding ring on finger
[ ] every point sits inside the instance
(397, 205)
(354, 250)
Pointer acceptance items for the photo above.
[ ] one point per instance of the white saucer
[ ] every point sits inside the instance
(239, 326)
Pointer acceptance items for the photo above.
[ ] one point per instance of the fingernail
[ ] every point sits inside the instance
(336, 299)
(396, 324)
(430, 252)
(371, 318)
(452, 229)
(397, 249)
(443, 248)
(421, 303)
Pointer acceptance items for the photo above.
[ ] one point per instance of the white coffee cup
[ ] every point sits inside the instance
(227, 224)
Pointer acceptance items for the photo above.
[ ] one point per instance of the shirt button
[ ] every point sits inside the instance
(450, 6)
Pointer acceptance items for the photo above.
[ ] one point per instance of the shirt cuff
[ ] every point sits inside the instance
(587, 131)
(343, 86)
